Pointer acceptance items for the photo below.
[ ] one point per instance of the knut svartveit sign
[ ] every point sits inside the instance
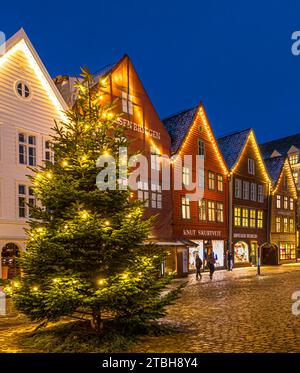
(200, 232)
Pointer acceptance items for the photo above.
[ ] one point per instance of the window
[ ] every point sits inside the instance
(292, 226)
(156, 196)
(26, 200)
(295, 175)
(251, 166)
(186, 176)
(278, 202)
(245, 190)
(260, 215)
(155, 159)
(237, 216)
(27, 149)
(201, 180)
(291, 204)
(185, 207)
(201, 148)
(253, 191)
(293, 158)
(260, 190)
(252, 218)
(238, 188)
(48, 152)
(278, 224)
(285, 225)
(127, 106)
(287, 251)
(220, 212)
(211, 180)
(245, 220)
(211, 211)
(202, 209)
(23, 89)
(220, 183)
(143, 192)
(285, 203)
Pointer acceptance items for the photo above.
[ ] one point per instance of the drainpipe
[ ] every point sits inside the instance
(230, 208)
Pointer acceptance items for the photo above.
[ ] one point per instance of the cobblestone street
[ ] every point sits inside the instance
(236, 312)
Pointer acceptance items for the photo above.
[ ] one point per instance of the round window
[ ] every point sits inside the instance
(23, 89)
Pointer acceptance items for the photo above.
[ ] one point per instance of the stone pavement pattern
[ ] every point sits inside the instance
(236, 312)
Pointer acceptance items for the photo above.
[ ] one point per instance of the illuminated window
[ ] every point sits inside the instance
(26, 200)
(285, 202)
(202, 209)
(295, 175)
(238, 188)
(285, 225)
(23, 89)
(253, 192)
(260, 190)
(291, 204)
(292, 226)
(211, 210)
(220, 212)
(27, 149)
(186, 176)
(48, 152)
(293, 158)
(278, 224)
(252, 218)
(185, 207)
(245, 190)
(127, 106)
(260, 216)
(201, 148)
(287, 251)
(245, 220)
(143, 192)
(251, 166)
(237, 216)
(220, 182)
(278, 202)
(211, 180)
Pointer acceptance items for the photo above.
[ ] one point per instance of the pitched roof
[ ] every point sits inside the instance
(232, 145)
(282, 145)
(274, 166)
(178, 126)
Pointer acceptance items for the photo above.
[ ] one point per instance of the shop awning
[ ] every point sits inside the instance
(171, 242)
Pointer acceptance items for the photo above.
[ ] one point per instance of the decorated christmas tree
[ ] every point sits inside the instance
(85, 251)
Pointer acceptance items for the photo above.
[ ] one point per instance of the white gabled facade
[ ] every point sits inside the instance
(29, 104)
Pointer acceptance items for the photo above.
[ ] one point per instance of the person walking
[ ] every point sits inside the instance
(229, 260)
(210, 260)
(198, 263)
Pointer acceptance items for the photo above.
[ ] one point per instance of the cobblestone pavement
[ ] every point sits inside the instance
(236, 312)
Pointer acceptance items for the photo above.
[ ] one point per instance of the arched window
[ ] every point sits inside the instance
(9, 258)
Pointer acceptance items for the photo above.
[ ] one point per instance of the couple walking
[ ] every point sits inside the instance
(210, 262)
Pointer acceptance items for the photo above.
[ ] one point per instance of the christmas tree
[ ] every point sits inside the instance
(85, 251)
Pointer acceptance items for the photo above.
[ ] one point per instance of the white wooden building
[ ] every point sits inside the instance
(29, 103)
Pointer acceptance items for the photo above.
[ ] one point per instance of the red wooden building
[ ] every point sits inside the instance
(148, 136)
(249, 196)
(200, 218)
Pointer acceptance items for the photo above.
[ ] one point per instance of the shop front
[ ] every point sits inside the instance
(245, 249)
(202, 240)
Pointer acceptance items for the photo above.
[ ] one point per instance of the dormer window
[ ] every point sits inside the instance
(23, 89)
(251, 166)
(294, 158)
(127, 106)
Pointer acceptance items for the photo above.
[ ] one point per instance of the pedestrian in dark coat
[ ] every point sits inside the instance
(229, 260)
(198, 267)
(210, 260)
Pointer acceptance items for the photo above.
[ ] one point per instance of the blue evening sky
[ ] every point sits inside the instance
(235, 56)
